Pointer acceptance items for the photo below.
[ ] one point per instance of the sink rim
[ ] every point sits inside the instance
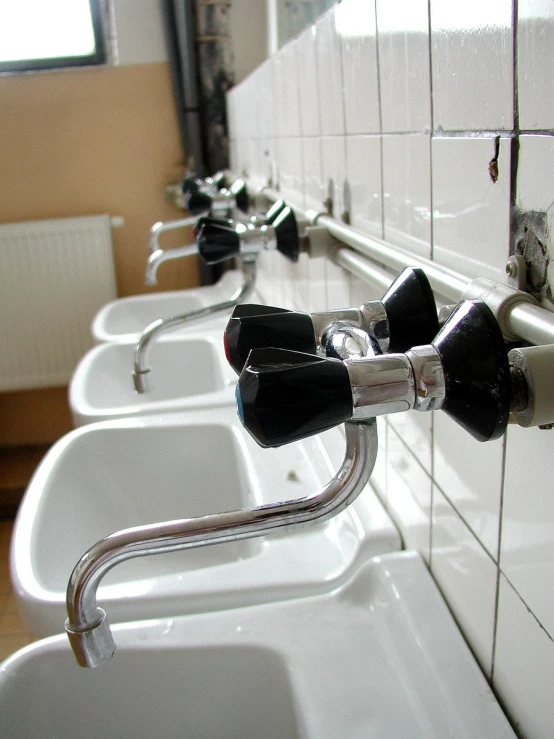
(207, 295)
(84, 412)
(229, 582)
(387, 615)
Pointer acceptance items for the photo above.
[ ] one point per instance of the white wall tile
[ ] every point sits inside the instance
(355, 25)
(301, 282)
(291, 173)
(535, 192)
(403, 28)
(471, 214)
(466, 576)
(416, 430)
(264, 92)
(318, 292)
(329, 76)
(535, 79)
(333, 170)
(362, 292)
(258, 172)
(307, 82)
(472, 65)
(527, 550)
(407, 191)
(408, 495)
(469, 472)
(363, 177)
(523, 666)
(314, 189)
(287, 93)
(337, 286)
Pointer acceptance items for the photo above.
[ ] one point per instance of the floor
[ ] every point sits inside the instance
(13, 633)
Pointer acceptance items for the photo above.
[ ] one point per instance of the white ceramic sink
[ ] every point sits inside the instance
(107, 476)
(125, 319)
(379, 656)
(188, 371)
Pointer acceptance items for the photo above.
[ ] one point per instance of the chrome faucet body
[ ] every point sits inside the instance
(87, 625)
(141, 371)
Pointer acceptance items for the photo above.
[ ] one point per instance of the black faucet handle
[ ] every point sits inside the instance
(411, 310)
(256, 327)
(217, 240)
(286, 233)
(239, 192)
(474, 359)
(284, 396)
(197, 202)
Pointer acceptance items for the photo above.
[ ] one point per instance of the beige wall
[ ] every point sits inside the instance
(82, 142)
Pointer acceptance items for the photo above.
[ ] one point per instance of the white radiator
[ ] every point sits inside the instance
(54, 276)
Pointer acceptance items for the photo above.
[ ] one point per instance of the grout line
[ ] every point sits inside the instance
(432, 116)
(531, 613)
(467, 525)
(497, 589)
(432, 491)
(345, 205)
(380, 111)
(514, 143)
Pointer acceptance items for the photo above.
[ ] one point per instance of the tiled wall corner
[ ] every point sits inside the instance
(401, 114)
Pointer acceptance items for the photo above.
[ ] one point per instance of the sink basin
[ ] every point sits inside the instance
(187, 371)
(377, 655)
(125, 319)
(113, 475)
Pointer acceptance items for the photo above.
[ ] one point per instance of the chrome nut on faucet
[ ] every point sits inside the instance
(285, 395)
(405, 316)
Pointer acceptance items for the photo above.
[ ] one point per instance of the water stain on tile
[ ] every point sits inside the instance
(530, 237)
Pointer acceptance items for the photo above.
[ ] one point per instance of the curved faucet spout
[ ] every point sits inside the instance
(87, 626)
(159, 256)
(161, 226)
(141, 372)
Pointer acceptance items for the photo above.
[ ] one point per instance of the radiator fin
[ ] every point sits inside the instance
(54, 277)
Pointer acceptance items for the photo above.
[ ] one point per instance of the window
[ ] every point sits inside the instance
(47, 34)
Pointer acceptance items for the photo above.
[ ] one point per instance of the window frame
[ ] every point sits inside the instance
(98, 58)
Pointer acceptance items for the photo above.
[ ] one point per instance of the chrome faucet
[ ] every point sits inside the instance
(219, 240)
(87, 625)
(157, 255)
(406, 316)
(142, 373)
